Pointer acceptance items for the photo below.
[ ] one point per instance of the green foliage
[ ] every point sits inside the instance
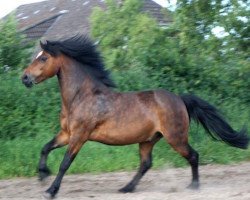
(14, 52)
(15, 102)
(142, 55)
(222, 63)
(130, 44)
(24, 113)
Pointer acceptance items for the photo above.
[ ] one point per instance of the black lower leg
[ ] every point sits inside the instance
(42, 167)
(59, 140)
(146, 162)
(144, 167)
(52, 191)
(193, 159)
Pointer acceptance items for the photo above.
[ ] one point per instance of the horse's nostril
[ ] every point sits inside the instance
(26, 80)
(25, 77)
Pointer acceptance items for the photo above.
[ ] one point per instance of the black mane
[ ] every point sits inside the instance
(82, 49)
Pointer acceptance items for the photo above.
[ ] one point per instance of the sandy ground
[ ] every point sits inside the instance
(217, 182)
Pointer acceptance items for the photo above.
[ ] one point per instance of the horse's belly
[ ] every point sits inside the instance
(123, 134)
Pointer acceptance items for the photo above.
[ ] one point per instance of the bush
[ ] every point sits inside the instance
(142, 55)
(23, 112)
(14, 51)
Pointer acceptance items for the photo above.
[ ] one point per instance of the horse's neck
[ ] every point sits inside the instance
(71, 80)
(75, 81)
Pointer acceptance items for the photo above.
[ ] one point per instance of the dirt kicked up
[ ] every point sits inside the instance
(217, 182)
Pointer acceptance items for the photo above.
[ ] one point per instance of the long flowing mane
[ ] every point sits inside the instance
(83, 50)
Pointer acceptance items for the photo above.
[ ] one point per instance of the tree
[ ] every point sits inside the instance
(224, 60)
(134, 46)
(184, 57)
(14, 53)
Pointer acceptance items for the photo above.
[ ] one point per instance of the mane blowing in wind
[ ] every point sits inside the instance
(82, 49)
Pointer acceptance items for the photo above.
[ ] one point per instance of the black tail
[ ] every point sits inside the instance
(201, 111)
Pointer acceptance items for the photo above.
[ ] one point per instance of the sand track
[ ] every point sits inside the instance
(217, 182)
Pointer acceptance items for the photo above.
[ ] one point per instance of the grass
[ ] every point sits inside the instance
(19, 157)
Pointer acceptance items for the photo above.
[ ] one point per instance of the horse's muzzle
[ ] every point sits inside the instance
(27, 81)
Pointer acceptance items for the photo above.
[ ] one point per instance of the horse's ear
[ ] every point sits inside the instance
(49, 47)
(43, 44)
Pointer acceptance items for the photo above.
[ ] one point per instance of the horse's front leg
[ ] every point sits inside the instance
(60, 140)
(75, 145)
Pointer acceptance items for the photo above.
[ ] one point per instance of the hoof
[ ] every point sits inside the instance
(43, 174)
(51, 192)
(127, 189)
(47, 195)
(194, 185)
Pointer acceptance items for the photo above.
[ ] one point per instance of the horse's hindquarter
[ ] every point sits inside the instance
(173, 117)
(131, 119)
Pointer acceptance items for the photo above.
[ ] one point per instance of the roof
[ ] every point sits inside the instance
(155, 10)
(64, 18)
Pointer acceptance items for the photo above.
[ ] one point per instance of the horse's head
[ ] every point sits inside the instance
(45, 65)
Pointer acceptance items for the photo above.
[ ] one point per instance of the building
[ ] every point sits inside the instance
(63, 18)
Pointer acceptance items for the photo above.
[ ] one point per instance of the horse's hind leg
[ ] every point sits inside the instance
(186, 151)
(145, 149)
(193, 159)
(58, 141)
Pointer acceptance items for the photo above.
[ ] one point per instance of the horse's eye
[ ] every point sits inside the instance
(43, 58)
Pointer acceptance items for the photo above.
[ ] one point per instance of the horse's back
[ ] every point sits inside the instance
(166, 109)
(163, 100)
(166, 105)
